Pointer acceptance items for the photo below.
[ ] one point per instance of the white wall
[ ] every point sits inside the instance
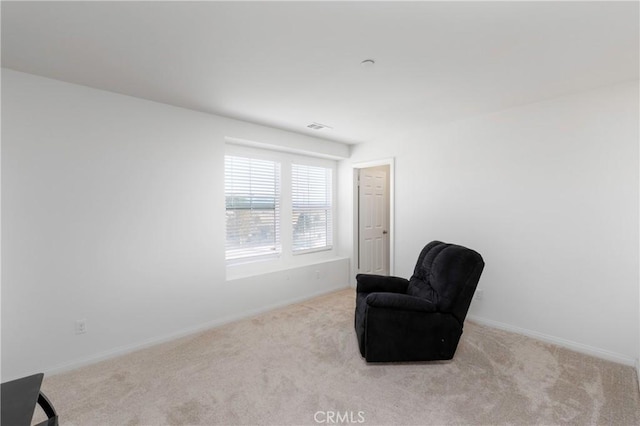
(113, 212)
(548, 194)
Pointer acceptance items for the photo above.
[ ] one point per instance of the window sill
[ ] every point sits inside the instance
(246, 270)
(243, 261)
(312, 250)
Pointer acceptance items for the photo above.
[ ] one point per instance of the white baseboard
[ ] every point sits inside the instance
(574, 346)
(123, 350)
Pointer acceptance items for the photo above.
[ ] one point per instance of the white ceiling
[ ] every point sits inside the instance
(292, 63)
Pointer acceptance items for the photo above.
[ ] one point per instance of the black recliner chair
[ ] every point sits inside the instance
(419, 319)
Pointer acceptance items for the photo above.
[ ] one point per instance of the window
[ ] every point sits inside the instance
(252, 195)
(311, 202)
(278, 205)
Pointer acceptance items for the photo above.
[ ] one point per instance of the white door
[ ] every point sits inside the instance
(373, 221)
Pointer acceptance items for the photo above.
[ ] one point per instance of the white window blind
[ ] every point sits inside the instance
(311, 200)
(252, 193)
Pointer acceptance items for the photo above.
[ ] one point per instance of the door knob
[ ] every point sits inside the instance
(384, 232)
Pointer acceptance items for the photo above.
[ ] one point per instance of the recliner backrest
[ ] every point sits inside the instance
(447, 275)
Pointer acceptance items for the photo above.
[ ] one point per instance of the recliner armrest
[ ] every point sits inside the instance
(368, 283)
(401, 302)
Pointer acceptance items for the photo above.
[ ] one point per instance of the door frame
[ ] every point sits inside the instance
(356, 212)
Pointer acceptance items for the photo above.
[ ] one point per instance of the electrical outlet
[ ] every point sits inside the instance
(81, 326)
(317, 275)
(479, 294)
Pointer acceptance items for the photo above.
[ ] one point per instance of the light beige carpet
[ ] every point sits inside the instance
(300, 365)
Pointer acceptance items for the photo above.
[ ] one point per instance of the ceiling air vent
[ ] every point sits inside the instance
(318, 126)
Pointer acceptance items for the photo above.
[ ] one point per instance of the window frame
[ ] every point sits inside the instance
(287, 257)
(264, 252)
(331, 211)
